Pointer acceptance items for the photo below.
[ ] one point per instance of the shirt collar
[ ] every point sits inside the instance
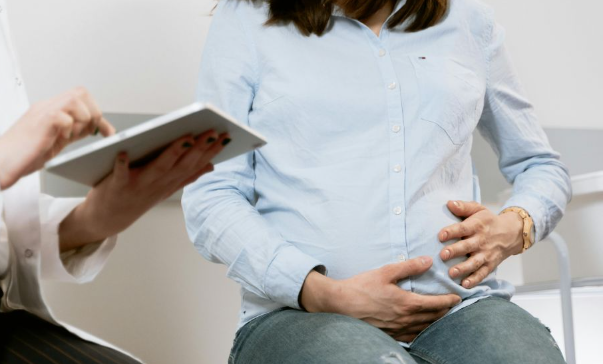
(338, 11)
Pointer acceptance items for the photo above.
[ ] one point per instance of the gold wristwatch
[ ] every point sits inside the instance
(528, 226)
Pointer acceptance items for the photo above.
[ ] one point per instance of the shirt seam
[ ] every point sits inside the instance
(487, 42)
(253, 46)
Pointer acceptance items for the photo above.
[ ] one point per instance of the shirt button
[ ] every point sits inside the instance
(392, 86)
(28, 253)
(398, 210)
(402, 257)
(382, 53)
(397, 168)
(396, 128)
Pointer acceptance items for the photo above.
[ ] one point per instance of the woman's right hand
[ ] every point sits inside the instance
(45, 129)
(375, 298)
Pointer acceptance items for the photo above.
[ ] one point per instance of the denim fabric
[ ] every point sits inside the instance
(491, 331)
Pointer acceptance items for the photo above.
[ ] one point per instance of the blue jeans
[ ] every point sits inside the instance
(491, 331)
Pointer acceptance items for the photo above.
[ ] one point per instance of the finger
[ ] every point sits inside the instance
(209, 137)
(164, 163)
(188, 164)
(405, 338)
(460, 230)
(397, 271)
(121, 169)
(214, 149)
(82, 117)
(425, 303)
(93, 108)
(104, 127)
(464, 208)
(467, 267)
(58, 147)
(62, 124)
(411, 330)
(384, 325)
(477, 277)
(461, 248)
(421, 318)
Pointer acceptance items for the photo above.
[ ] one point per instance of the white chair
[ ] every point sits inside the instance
(565, 288)
(582, 223)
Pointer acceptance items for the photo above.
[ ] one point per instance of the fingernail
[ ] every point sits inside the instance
(445, 235)
(466, 283)
(226, 141)
(122, 160)
(96, 131)
(425, 260)
(186, 145)
(210, 140)
(455, 272)
(446, 254)
(457, 204)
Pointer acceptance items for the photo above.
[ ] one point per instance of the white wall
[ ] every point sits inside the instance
(141, 56)
(557, 46)
(136, 56)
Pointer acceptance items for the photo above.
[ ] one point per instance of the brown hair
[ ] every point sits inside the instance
(312, 16)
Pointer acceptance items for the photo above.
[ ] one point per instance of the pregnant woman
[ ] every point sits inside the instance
(357, 234)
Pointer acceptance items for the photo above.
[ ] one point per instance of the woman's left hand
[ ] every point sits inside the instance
(487, 240)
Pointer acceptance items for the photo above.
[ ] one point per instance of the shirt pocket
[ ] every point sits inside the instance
(452, 95)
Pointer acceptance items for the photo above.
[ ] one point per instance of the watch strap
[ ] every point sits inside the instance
(528, 225)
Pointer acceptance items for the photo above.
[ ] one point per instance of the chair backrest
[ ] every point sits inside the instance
(580, 227)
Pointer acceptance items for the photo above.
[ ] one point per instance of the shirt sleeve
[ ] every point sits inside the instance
(79, 265)
(221, 219)
(541, 183)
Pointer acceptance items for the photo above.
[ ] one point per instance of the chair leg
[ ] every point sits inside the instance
(565, 285)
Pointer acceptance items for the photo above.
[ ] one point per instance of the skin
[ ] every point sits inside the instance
(375, 298)
(45, 129)
(487, 239)
(375, 22)
(124, 195)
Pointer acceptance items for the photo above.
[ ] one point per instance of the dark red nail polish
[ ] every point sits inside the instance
(226, 141)
(186, 145)
(211, 140)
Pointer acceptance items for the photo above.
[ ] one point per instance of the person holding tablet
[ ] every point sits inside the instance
(67, 239)
(357, 234)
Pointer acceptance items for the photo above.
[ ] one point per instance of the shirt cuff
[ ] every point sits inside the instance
(286, 275)
(537, 212)
(79, 265)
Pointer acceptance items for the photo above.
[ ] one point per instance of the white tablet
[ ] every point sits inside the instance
(91, 163)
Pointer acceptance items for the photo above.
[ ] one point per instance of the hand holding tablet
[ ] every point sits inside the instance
(143, 143)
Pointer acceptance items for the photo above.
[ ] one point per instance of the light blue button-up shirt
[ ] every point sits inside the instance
(369, 137)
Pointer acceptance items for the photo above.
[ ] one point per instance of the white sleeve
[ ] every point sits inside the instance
(79, 265)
